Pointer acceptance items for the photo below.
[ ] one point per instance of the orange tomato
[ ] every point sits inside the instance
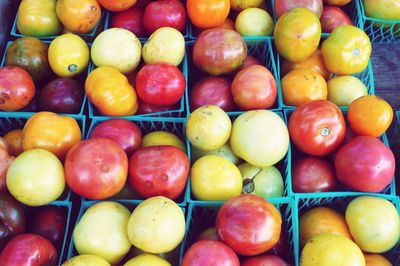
(207, 14)
(313, 63)
(376, 260)
(117, 5)
(110, 92)
(49, 131)
(370, 115)
(322, 220)
(301, 85)
(79, 16)
(14, 142)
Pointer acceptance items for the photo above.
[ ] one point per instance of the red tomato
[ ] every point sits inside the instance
(317, 127)
(266, 260)
(249, 224)
(96, 168)
(159, 171)
(16, 88)
(254, 88)
(212, 91)
(131, 19)
(282, 6)
(333, 17)
(210, 252)
(365, 164)
(146, 108)
(164, 13)
(126, 133)
(160, 84)
(313, 174)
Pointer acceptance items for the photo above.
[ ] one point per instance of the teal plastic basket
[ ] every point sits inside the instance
(259, 48)
(379, 30)
(338, 202)
(131, 205)
(147, 125)
(201, 216)
(389, 190)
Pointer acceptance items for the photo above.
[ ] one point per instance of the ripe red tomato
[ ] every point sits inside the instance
(160, 84)
(146, 108)
(254, 88)
(210, 252)
(266, 260)
(333, 17)
(126, 133)
(212, 91)
(365, 164)
(131, 19)
(164, 13)
(317, 127)
(159, 171)
(96, 168)
(313, 174)
(249, 224)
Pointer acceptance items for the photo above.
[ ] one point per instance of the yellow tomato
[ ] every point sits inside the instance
(347, 50)
(215, 178)
(147, 260)
(36, 177)
(240, 5)
(52, 132)
(208, 128)
(156, 138)
(14, 142)
(110, 92)
(374, 223)
(376, 260)
(343, 90)
(86, 260)
(331, 250)
(297, 34)
(382, 9)
(337, 2)
(254, 22)
(225, 152)
(68, 55)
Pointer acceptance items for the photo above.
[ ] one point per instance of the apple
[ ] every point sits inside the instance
(131, 19)
(333, 17)
(12, 219)
(164, 13)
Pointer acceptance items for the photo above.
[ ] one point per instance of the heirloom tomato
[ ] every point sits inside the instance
(343, 90)
(225, 152)
(333, 17)
(14, 142)
(337, 2)
(146, 108)
(265, 260)
(254, 22)
(282, 6)
(239, 5)
(131, 19)
(147, 259)
(207, 14)
(12, 221)
(376, 260)
(5, 161)
(383, 9)
(158, 138)
(117, 5)
(164, 13)
(86, 260)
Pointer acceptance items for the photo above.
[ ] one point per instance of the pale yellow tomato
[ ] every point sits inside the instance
(225, 152)
(86, 260)
(240, 5)
(157, 138)
(376, 260)
(343, 90)
(147, 260)
(254, 22)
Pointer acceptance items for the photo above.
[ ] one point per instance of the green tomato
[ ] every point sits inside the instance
(225, 152)
(254, 22)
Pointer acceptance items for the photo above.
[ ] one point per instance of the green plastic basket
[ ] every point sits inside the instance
(379, 30)
(201, 216)
(338, 202)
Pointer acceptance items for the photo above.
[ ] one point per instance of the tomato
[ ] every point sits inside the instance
(343, 90)
(260, 138)
(314, 63)
(208, 234)
(79, 16)
(282, 6)
(68, 55)
(210, 252)
(225, 152)
(370, 173)
(123, 50)
(131, 19)
(13, 218)
(376, 260)
(212, 91)
(384, 9)
(16, 88)
(117, 5)
(208, 128)
(254, 22)
(370, 115)
(96, 168)
(126, 133)
(347, 50)
(14, 142)
(206, 14)
(249, 224)
(215, 178)
(147, 259)
(38, 18)
(313, 174)
(254, 88)
(157, 138)
(30, 54)
(266, 260)
(303, 86)
(146, 108)
(219, 51)
(297, 43)
(250, 61)
(160, 84)
(52, 132)
(333, 17)
(317, 128)
(374, 223)
(164, 13)
(324, 249)
(86, 260)
(337, 2)
(110, 92)
(239, 5)
(5, 162)
(228, 24)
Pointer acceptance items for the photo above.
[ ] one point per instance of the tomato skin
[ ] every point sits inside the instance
(131, 19)
(317, 128)
(206, 14)
(16, 88)
(370, 173)
(96, 168)
(254, 88)
(266, 260)
(249, 224)
(146, 108)
(376, 260)
(164, 13)
(383, 9)
(160, 84)
(337, 2)
(117, 5)
(282, 6)
(14, 142)
(5, 162)
(333, 17)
